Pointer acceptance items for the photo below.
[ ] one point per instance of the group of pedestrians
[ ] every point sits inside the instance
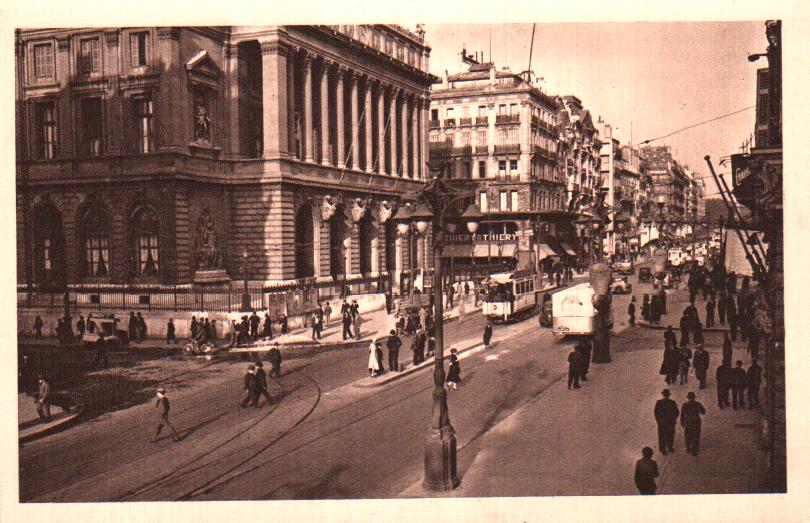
(652, 307)
(351, 319)
(740, 382)
(256, 379)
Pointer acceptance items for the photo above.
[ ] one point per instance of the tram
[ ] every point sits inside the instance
(573, 312)
(510, 295)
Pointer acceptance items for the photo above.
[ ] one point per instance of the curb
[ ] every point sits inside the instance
(650, 326)
(76, 411)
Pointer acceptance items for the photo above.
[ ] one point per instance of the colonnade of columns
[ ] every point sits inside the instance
(341, 117)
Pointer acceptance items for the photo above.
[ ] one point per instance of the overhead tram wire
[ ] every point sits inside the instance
(697, 124)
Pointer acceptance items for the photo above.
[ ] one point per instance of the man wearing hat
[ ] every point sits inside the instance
(162, 406)
(646, 472)
(690, 421)
(700, 362)
(275, 360)
(261, 377)
(43, 399)
(666, 416)
(252, 390)
(393, 343)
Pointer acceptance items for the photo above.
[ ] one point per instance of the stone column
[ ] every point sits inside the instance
(325, 156)
(416, 138)
(369, 127)
(309, 154)
(274, 99)
(392, 126)
(405, 137)
(234, 136)
(424, 136)
(380, 129)
(355, 124)
(290, 105)
(339, 122)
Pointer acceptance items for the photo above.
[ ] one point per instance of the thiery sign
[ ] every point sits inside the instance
(475, 238)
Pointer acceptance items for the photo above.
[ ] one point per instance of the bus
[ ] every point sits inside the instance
(573, 312)
(510, 295)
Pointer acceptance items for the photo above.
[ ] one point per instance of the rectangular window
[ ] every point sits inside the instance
(482, 201)
(481, 139)
(502, 109)
(514, 202)
(89, 56)
(449, 112)
(482, 169)
(466, 111)
(434, 115)
(43, 61)
(45, 122)
(98, 256)
(92, 124)
(502, 168)
(46, 253)
(465, 138)
(482, 110)
(513, 167)
(138, 49)
(143, 111)
(513, 109)
(148, 255)
(503, 201)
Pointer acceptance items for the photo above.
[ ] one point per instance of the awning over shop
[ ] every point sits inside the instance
(568, 250)
(453, 250)
(544, 251)
(483, 251)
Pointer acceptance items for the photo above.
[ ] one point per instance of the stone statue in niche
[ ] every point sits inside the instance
(208, 257)
(386, 210)
(359, 209)
(202, 121)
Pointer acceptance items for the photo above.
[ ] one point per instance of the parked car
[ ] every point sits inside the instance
(625, 268)
(117, 339)
(644, 274)
(621, 286)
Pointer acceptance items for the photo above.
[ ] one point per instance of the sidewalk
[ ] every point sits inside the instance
(31, 427)
(586, 441)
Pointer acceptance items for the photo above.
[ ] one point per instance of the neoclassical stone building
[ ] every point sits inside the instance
(168, 155)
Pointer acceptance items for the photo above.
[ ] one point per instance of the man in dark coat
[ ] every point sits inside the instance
(389, 301)
(141, 327)
(283, 324)
(421, 343)
(723, 378)
(574, 367)
(710, 313)
(254, 325)
(587, 350)
(631, 312)
(170, 334)
(701, 364)
(487, 334)
(80, 326)
(194, 328)
(754, 380)
(261, 378)
(393, 343)
(274, 356)
(453, 371)
(646, 472)
(666, 416)
(252, 388)
(670, 339)
(690, 421)
(669, 367)
(738, 386)
(347, 324)
(727, 353)
(721, 308)
(267, 328)
(685, 326)
(133, 326)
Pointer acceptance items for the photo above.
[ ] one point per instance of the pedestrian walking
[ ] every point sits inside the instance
(415, 349)
(170, 337)
(141, 327)
(684, 364)
(347, 324)
(316, 330)
(421, 340)
(586, 349)
(194, 328)
(574, 368)
(267, 327)
(283, 326)
(252, 389)
(38, 324)
(685, 326)
(666, 417)
(358, 320)
(132, 327)
(43, 399)
(721, 308)
(254, 325)
(389, 301)
(274, 356)
(327, 312)
(710, 312)
(451, 292)
(723, 378)
(690, 421)
(393, 343)
(697, 335)
(738, 386)
(631, 312)
(645, 307)
(701, 365)
(261, 378)
(671, 364)
(670, 339)
(487, 335)
(727, 352)
(754, 380)
(454, 371)
(162, 406)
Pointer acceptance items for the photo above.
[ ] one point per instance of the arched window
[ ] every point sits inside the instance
(146, 242)
(95, 237)
(48, 243)
(337, 249)
(304, 243)
(367, 232)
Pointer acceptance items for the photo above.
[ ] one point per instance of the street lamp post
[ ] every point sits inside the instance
(246, 305)
(436, 204)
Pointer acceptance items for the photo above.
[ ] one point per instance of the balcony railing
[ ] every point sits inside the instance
(479, 149)
(450, 122)
(465, 121)
(464, 150)
(507, 148)
(481, 120)
(507, 118)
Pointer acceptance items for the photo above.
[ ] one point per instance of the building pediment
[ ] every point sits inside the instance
(202, 69)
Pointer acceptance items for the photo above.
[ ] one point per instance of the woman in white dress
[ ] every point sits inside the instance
(373, 363)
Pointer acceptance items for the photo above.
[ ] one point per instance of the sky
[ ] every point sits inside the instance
(656, 77)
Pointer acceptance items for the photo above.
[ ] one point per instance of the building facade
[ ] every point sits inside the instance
(669, 182)
(496, 135)
(167, 155)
